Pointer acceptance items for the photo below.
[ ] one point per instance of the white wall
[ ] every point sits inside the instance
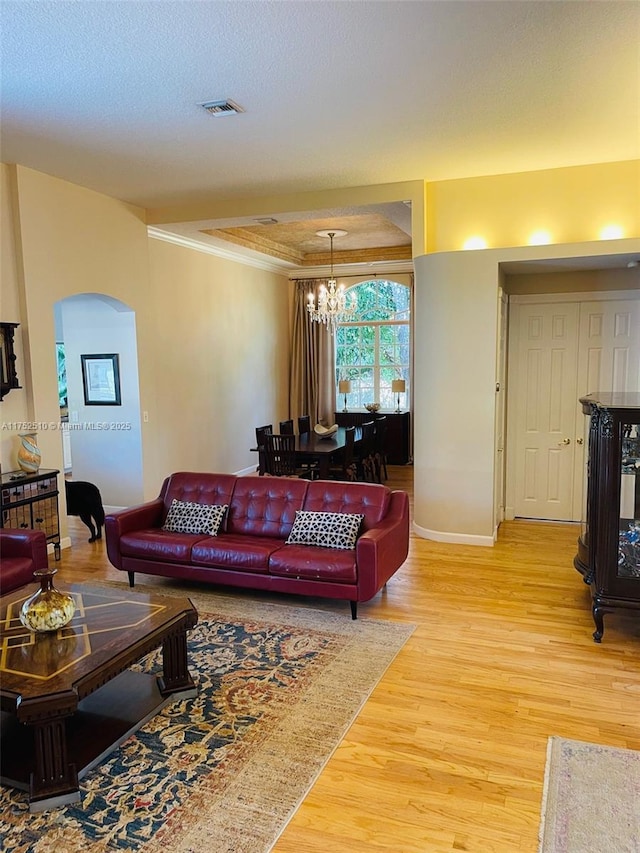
(105, 440)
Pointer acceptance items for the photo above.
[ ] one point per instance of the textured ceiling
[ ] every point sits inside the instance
(335, 94)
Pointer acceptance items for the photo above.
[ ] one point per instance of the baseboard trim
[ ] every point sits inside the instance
(453, 538)
(247, 472)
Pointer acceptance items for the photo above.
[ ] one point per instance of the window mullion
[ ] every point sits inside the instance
(376, 364)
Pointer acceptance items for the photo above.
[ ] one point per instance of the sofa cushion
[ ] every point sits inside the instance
(161, 545)
(310, 562)
(265, 506)
(370, 499)
(190, 517)
(326, 529)
(233, 551)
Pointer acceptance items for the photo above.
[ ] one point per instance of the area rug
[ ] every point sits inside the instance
(591, 799)
(279, 687)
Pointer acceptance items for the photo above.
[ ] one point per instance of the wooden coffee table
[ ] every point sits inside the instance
(68, 699)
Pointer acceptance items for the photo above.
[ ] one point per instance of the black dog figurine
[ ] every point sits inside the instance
(84, 500)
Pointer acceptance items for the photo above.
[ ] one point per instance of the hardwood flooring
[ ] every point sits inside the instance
(448, 753)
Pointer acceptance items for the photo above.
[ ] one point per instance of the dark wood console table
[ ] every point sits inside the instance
(398, 440)
(30, 502)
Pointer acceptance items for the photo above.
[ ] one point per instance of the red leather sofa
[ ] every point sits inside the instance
(22, 552)
(250, 549)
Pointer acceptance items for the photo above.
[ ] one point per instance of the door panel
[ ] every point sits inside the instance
(545, 392)
(608, 360)
(560, 352)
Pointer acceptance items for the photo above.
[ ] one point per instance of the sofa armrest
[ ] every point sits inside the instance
(381, 550)
(140, 517)
(30, 544)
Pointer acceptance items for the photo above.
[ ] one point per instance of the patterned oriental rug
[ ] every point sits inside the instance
(591, 799)
(279, 687)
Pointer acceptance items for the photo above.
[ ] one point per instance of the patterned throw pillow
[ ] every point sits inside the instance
(189, 517)
(326, 529)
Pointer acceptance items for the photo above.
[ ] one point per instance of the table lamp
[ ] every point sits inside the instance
(398, 386)
(344, 387)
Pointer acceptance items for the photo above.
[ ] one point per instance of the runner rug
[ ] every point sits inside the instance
(278, 686)
(591, 799)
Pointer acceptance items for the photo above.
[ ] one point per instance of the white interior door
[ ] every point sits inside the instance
(608, 360)
(545, 409)
(560, 351)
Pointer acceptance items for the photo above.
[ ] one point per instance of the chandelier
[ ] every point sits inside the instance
(332, 306)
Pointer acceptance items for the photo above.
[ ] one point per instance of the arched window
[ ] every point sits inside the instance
(374, 348)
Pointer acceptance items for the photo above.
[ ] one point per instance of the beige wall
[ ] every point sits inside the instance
(213, 335)
(572, 204)
(14, 406)
(221, 356)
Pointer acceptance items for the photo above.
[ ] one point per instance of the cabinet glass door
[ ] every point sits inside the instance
(629, 528)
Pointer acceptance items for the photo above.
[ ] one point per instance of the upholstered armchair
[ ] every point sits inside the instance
(21, 553)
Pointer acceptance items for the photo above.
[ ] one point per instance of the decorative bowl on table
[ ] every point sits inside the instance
(372, 407)
(325, 432)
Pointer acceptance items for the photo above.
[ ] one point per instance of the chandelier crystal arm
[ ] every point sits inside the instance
(332, 308)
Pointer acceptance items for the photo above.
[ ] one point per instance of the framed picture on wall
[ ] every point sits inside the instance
(101, 379)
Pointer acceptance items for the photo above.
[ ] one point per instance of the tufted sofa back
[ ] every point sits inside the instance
(370, 499)
(265, 506)
(197, 488)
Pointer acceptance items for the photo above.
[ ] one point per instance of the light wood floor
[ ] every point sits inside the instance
(448, 754)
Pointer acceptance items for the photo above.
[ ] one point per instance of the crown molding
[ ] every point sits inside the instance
(381, 268)
(188, 243)
(372, 270)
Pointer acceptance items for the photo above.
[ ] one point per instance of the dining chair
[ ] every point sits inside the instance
(286, 427)
(261, 431)
(304, 424)
(279, 455)
(310, 465)
(379, 452)
(347, 469)
(364, 453)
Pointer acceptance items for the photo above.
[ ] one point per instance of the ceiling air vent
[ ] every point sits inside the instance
(222, 108)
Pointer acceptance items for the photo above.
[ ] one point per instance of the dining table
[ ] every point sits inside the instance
(322, 449)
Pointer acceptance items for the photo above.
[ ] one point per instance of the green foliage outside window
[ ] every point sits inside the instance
(62, 376)
(374, 348)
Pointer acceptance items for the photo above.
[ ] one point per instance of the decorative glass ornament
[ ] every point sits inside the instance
(29, 454)
(48, 609)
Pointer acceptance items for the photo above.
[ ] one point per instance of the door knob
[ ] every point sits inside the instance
(579, 441)
(564, 441)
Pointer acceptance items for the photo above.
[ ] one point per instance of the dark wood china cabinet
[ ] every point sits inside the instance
(609, 544)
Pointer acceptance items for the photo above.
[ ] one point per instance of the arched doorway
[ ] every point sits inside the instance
(103, 437)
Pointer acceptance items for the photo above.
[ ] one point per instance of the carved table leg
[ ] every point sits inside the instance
(175, 673)
(54, 781)
(598, 614)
